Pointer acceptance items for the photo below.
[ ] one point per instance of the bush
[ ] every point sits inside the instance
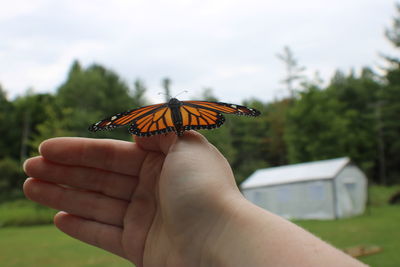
(11, 176)
(23, 212)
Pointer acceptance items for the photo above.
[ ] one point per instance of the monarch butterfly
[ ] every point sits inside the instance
(173, 116)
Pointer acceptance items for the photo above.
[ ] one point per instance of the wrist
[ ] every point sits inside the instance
(247, 235)
(226, 241)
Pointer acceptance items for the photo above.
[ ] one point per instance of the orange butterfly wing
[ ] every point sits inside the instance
(223, 108)
(207, 115)
(124, 118)
(157, 122)
(197, 117)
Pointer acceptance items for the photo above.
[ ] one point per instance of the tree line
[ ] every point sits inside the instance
(356, 114)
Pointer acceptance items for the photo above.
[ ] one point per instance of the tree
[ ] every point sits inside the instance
(166, 84)
(58, 123)
(12, 177)
(93, 94)
(389, 107)
(10, 168)
(9, 127)
(208, 94)
(393, 35)
(93, 89)
(30, 111)
(389, 112)
(138, 94)
(293, 70)
(337, 121)
(18, 120)
(249, 140)
(314, 125)
(275, 117)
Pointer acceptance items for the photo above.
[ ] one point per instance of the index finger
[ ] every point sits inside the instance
(107, 154)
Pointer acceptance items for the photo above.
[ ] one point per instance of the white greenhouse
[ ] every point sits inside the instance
(326, 189)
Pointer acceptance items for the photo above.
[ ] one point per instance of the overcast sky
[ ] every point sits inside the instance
(227, 45)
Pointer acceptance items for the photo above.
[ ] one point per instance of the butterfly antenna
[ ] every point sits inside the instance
(184, 91)
(164, 94)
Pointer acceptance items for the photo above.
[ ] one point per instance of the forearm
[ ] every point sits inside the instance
(252, 236)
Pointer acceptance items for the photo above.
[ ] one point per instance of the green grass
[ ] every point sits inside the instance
(46, 246)
(379, 227)
(22, 212)
(380, 195)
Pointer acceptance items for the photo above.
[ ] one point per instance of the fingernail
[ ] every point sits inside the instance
(40, 148)
(24, 165)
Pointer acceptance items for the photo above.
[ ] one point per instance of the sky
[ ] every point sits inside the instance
(230, 46)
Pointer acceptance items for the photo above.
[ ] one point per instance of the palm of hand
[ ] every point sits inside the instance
(179, 183)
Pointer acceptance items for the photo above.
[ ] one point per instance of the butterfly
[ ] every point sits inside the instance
(173, 116)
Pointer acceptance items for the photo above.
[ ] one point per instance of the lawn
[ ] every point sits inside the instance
(44, 245)
(22, 212)
(380, 226)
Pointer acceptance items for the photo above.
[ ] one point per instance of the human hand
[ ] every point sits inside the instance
(165, 201)
(156, 202)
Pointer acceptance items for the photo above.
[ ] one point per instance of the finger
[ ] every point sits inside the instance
(106, 154)
(85, 204)
(108, 183)
(157, 143)
(163, 143)
(101, 235)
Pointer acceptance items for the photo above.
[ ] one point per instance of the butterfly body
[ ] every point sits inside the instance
(174, 105)
(174, 116)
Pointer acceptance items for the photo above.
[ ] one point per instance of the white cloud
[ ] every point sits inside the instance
(230, 46)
